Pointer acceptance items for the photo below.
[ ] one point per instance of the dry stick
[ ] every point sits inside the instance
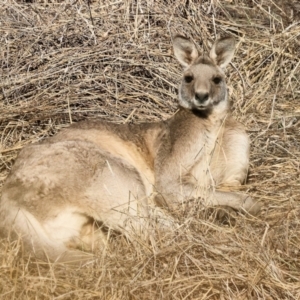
(129, 116)
(273, 105)
(69, 109)
(88, 2)
(264, 235)
(282, 148)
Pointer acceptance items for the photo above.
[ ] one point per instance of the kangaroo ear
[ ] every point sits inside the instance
(184, 50)
(222, 51)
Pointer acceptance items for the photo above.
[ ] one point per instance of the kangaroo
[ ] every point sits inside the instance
(124, 176)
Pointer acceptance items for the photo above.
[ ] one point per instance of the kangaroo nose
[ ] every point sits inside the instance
(201, 97)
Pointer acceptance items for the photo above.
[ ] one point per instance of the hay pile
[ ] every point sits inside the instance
(65, 61)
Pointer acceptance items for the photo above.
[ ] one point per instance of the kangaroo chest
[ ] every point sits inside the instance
(200, 151)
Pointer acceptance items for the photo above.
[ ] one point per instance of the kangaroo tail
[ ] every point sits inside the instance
(20, 224)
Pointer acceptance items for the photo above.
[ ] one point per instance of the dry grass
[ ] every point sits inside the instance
(64, 61)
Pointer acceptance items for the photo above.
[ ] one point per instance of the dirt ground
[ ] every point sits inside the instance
(65, 61)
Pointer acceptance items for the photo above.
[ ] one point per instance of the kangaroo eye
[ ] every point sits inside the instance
(188, 78)
(217, 79)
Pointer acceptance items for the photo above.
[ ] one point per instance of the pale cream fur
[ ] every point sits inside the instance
(62, 190)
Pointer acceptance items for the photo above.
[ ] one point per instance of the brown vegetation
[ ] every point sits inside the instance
(64, 61)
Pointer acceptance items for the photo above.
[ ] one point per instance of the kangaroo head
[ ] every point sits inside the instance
(203, 85)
